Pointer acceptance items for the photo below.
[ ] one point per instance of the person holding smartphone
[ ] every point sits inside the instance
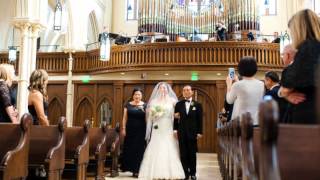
(247, 93)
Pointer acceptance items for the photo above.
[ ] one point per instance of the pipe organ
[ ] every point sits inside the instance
(174, 17)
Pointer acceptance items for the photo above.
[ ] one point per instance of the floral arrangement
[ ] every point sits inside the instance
(140, 107)
(157, 112)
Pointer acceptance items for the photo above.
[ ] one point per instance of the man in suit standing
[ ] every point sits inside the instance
(188, 128)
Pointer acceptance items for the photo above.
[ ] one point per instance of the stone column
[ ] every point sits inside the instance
(70, 87)
(34, 34)
(24, 61)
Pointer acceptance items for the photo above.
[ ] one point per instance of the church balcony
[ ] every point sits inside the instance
(174, 56)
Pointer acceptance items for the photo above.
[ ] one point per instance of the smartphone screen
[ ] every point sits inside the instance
(231, 73)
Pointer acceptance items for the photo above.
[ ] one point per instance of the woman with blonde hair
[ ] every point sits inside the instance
(12, 87)
(38, 98)
(7, 111)
(298, 79)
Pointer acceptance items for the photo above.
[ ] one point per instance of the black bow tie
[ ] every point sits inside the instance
(187, 101)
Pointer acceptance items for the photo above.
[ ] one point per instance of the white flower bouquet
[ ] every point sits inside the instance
(157, 112)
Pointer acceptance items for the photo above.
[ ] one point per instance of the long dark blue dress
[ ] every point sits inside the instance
(134, 142)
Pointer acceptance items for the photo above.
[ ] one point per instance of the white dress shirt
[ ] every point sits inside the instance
(188, 104)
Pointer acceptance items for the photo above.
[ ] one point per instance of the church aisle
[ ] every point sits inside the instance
(207, 168)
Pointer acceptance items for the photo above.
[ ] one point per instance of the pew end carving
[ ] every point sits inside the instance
(113, 151)
(268, 122)
(77, 152)
(15, 142)
(97, 151)
(248, 167)
(47, 151)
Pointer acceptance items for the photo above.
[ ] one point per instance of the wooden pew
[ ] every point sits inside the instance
(271, 151)
(47, 151)
(14, 149)
(230, 162)
(77, 152)
(97, 151)
(221, 151)
(247, 147)
(113, 151)
(288, 151)
(236, 150)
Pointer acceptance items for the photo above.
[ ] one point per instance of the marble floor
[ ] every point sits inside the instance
(207, 168)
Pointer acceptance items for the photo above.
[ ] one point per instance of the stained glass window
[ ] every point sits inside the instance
(132, 9)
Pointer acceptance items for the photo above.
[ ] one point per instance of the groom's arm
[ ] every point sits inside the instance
(199, 119)
(176, 120)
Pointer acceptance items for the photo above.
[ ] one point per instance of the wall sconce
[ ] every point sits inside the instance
(105, 48)
(12, 53)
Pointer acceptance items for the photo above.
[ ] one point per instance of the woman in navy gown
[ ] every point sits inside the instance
(133, 130)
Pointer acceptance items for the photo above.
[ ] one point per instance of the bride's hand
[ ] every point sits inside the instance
(123, 132)
(175, 134)
(177, 115)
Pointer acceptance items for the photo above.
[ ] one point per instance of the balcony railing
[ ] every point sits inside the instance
(156, 56)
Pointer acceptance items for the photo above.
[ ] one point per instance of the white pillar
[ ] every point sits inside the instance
(22, 97)
(69, 112)
(35, 29)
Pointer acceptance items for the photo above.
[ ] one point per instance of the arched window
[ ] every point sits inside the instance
(132, 9)
(268, 7)
(105, 112)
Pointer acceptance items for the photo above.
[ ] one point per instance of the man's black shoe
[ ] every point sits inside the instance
(193, 177)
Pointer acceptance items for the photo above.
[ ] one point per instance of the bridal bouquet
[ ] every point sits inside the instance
(157, 111)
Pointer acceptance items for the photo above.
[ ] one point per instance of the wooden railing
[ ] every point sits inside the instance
(156, 56)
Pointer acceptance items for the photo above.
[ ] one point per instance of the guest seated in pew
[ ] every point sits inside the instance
(38, 98)
(271, 81)
(298, 79)
(222, 119)
(247, 93)
(7, 111)
(228, 109)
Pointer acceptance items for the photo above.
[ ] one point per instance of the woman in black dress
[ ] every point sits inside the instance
(7, 110)
(298, 79)
(38, 98)
(133, 130)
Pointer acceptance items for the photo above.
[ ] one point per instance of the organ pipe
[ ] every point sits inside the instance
(171, 18)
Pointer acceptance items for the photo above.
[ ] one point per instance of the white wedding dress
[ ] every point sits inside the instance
(161, 159)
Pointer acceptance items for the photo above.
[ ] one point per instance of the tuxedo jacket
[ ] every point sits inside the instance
(190, 123)
(283, 104)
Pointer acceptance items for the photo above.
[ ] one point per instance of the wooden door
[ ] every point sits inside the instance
(207, 143)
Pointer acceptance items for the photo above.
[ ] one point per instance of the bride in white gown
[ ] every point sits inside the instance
(161, 159)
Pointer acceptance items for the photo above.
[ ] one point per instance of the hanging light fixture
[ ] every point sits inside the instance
(105, 48)
(129, 7)
(12, 50)
(57, 16)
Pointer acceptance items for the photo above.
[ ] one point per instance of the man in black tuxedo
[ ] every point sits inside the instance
(271, 81)
(188, 128)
